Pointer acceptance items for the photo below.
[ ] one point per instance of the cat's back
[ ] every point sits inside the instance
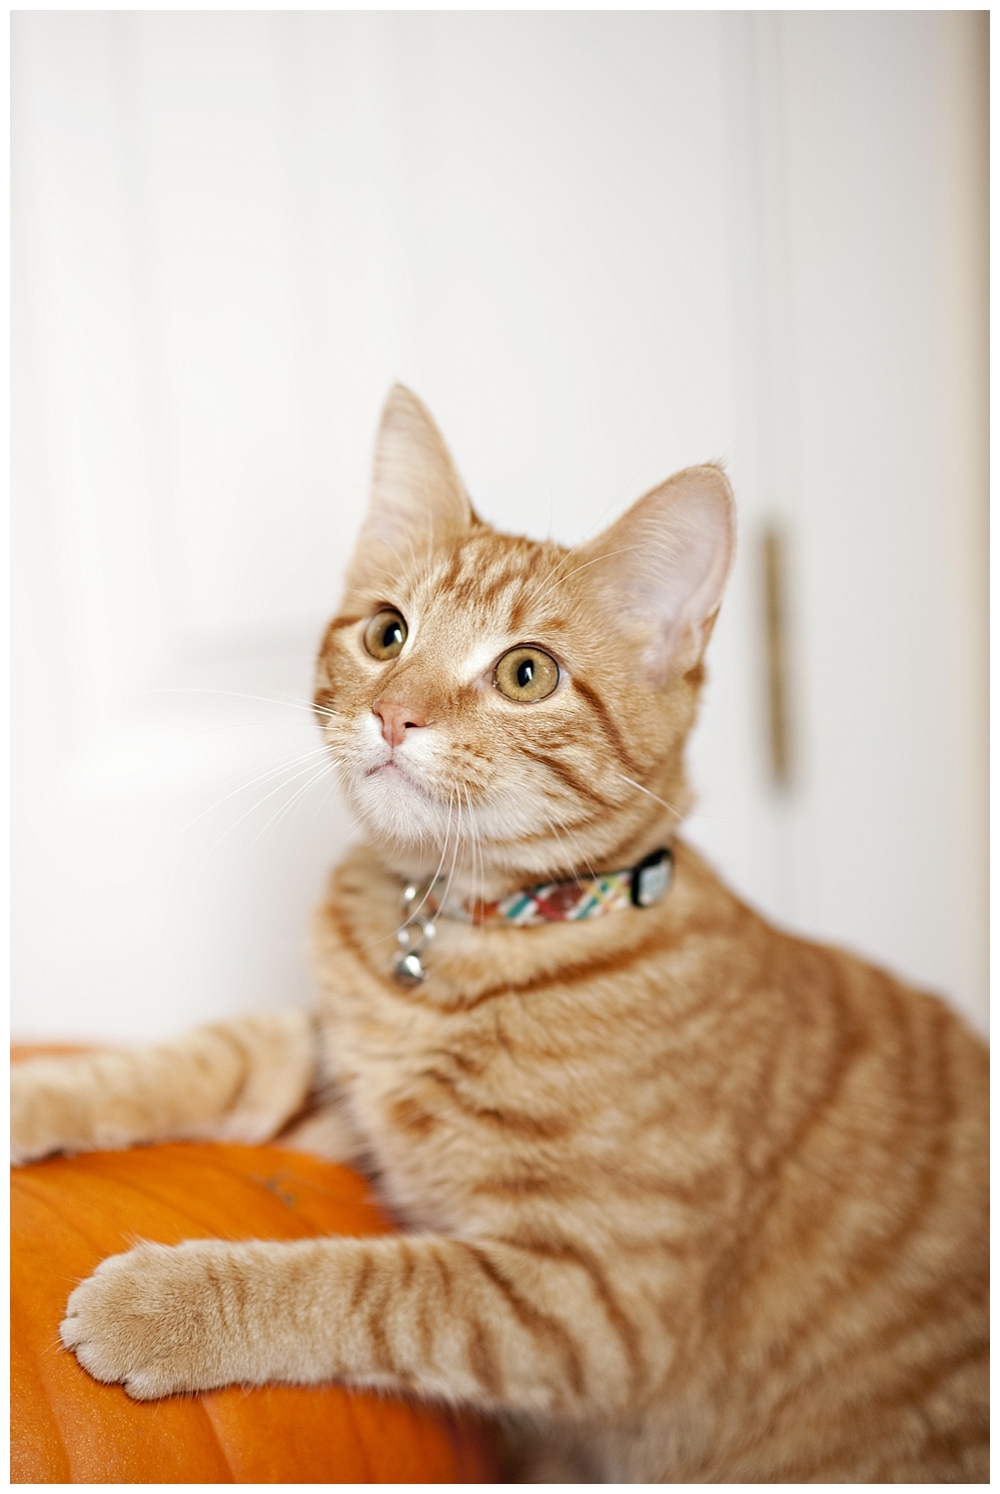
(859, 1271)
(848, 1285)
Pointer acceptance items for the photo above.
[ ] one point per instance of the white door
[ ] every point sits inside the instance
(600, 247)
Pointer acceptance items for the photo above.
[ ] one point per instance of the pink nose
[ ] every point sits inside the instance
(395, 720)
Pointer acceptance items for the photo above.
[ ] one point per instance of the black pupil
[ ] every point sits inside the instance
(525, 672)
(393, 634)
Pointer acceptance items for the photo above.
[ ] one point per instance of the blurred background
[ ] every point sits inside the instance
(600, 246)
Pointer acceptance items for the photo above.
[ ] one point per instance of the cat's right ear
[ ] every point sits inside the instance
(418, 502)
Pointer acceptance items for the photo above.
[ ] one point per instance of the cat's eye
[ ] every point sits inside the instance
(526, 673)
(385, 634)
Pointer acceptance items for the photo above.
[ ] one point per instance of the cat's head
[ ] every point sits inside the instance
(510, 709)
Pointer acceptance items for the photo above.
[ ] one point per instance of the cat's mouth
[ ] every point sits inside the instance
(391, 769)
(391, 764)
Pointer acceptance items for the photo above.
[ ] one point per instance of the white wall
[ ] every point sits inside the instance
(600, 246)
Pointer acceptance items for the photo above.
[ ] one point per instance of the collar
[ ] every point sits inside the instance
(580, 897)
(638, 886)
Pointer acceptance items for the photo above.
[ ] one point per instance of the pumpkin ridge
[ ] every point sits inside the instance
(219, 1442)
(430, 1436)
(221, 1166)
(128, 1184)
(139, 1186)
(222, 1449)
(37, 1353)
(29, 1369)
(41, 1198)
(360, 1433)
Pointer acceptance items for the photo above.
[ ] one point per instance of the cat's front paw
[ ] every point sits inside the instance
(155, 1320)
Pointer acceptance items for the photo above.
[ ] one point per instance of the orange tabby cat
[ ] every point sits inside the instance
(691, 1199)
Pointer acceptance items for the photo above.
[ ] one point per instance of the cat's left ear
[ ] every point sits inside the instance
(661, 569)
(417, 498)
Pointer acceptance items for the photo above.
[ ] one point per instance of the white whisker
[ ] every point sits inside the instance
(475, 846)
(281, 767)
(308, 768)
(643, 790)
(451, 873)
(318, 775)
(573, 862)
(298, 703)
(444, 851)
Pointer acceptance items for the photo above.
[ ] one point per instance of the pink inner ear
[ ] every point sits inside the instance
(662, 567)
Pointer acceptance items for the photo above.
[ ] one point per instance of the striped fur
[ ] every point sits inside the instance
(686, 1198)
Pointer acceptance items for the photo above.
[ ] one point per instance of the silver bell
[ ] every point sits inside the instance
(409, 971)
(416, 933)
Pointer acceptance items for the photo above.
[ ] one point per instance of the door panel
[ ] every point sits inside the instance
(601, 247)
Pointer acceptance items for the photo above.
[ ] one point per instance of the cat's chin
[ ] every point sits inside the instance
(418, 834)
(395, 808)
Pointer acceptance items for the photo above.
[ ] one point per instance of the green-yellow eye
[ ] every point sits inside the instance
(385, 634)
(526, 673)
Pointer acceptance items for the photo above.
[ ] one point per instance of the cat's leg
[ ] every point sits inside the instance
(236, 1081)
(481, 1323)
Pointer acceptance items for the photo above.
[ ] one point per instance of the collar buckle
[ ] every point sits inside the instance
(652, 877)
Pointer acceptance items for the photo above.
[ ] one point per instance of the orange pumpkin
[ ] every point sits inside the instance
(67, 1214)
